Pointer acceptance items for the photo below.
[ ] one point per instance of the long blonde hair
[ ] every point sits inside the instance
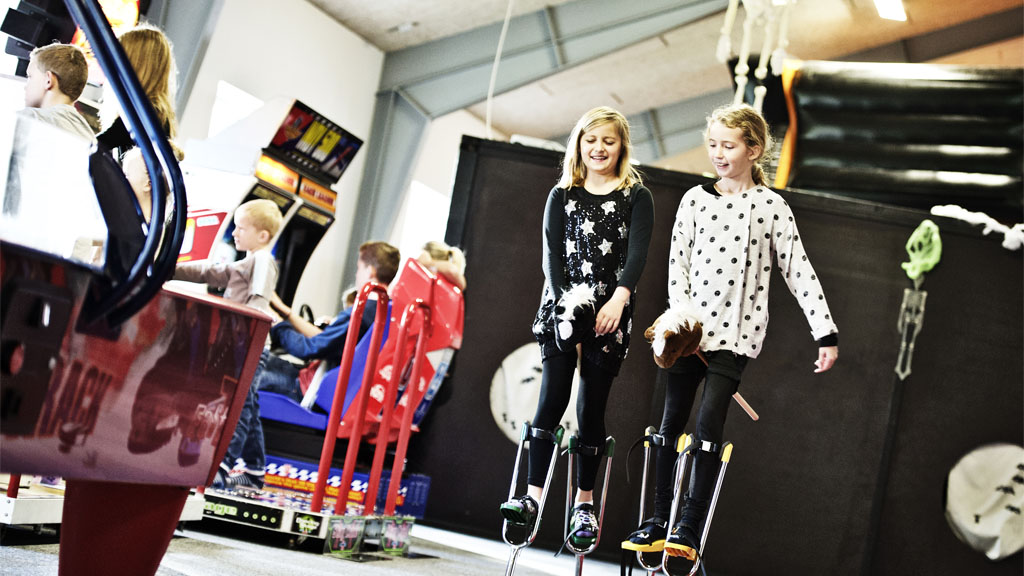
(755, 133)
(574, 172)
(149, 52)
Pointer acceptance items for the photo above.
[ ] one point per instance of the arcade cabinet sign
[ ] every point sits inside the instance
(315, 144)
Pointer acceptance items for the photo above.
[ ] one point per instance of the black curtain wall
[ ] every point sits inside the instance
(844, 473)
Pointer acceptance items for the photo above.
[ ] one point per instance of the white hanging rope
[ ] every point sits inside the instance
(494, 69)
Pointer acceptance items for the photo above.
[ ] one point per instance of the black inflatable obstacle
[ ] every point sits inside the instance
(913, 135)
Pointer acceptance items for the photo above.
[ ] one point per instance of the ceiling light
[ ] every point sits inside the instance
(891, 10)
(404, 27)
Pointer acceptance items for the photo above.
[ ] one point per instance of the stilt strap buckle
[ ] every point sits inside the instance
(542, 434)
(711, 447)
(654, 440)
(585, 450)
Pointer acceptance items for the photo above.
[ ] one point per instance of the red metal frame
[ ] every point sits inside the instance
(340, 389)
(415, 396)
(391, 396)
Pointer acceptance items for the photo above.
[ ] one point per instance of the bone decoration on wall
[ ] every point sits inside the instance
(772, 16)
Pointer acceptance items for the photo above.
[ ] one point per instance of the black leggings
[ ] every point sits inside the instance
(591, 400)
(721, 380)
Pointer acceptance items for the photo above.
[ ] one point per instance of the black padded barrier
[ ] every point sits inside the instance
(911, 135)
(806, 491)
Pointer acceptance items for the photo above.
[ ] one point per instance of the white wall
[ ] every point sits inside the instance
(289, 48)
(435, 169)
(439, 154)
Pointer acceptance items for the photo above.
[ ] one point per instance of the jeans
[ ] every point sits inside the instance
(279, 376)
(272, 374)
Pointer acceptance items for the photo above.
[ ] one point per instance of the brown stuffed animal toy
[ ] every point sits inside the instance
(674, 334)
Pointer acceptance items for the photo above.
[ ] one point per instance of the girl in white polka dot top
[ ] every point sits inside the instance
(724, 242)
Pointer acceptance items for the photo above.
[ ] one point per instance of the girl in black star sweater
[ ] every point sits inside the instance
(598, 222)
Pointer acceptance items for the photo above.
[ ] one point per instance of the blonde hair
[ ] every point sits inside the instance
(263, 214)
(444, 253)
(135, 155)
(574, 172)
(755, 133)
(67, 63)
(150, 54)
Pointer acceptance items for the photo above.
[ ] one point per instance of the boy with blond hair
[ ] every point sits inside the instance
(56, 78)
(249, 281)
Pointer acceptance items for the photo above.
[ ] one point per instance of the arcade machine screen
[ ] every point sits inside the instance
(320, 151)
(313, 144)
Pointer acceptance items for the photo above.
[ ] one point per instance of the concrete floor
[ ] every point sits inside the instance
(220, 552)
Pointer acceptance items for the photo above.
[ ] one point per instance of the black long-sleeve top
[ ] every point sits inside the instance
(641, 222)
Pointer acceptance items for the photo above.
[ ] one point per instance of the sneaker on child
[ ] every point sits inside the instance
(583, 528)
(243, 479)
(683, 541)
(649, 537)
(521, 511)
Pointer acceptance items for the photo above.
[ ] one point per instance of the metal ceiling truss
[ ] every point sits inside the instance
(429, 80)
(426, 81)
(452, 73)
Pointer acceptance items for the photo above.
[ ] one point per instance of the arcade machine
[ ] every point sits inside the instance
(285, 152)
(127, 389)
(39, 500)
(378, 395)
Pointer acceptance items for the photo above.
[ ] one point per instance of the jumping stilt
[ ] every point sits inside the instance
(677, 545)
(530, 532)
(651, 439)
(581, 546)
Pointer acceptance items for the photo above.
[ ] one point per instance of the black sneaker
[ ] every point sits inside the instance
(243, 480)
(521, 511)
(583, 527)
(649, 537)
(683, 541)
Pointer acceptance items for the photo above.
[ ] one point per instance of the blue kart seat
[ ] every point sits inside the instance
(280, 408)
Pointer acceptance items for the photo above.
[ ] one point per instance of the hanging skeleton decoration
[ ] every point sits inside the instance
(925, 249)
(773, 17)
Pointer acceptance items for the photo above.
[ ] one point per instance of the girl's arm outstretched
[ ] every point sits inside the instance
(803, 282)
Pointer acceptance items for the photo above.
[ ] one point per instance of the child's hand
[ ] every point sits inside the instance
(608, 316)
(827, 356)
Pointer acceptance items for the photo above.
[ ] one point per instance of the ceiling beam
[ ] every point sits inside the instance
(958, 38)
(452, 73)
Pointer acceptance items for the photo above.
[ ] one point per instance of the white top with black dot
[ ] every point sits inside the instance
(721, 260)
